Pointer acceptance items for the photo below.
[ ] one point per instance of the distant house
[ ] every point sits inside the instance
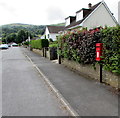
(91, 17)
(52, 31)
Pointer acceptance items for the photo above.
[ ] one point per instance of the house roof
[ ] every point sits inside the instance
(74, 23)
(55, 29)
(70, 17)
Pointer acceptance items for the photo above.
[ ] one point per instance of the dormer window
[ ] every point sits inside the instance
(69, 20)
(79, 15)
(82, 13)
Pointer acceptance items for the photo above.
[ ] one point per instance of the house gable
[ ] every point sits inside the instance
(101, 16)
(97, 15)
(52, 31)
(47, 33)
(81, 16)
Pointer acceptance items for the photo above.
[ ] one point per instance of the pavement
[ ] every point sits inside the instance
(85, 96)
(24, 92)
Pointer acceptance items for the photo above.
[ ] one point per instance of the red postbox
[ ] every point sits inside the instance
(99, 47)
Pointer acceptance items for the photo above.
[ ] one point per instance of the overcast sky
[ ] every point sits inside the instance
(45, 12)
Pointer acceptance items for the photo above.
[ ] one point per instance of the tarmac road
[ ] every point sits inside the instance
(87, 97)
(24, 93)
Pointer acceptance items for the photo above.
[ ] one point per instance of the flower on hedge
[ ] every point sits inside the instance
(97, 29)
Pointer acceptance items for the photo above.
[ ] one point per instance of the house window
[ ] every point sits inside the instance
(45, 36)
(48, 36)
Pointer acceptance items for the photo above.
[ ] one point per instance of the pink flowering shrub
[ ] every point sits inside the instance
(79, 45)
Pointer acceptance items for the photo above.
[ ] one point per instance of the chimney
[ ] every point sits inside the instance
(89, 5)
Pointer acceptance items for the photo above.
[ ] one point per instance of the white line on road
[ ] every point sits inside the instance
(58, 94)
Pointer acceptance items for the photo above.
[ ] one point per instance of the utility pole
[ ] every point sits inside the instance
(29, 41)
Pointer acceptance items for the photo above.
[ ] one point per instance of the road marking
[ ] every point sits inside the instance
(58, 94)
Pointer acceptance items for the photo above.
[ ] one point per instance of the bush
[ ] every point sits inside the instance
(53, 44)
(111, 44)
(80, 45)
(26, 43)
(44, 43)
(39, 44)
(51, 40)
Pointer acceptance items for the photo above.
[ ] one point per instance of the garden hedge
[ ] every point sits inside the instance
(26, 43)
(80, 46)
(39, 44)
(53, 44)
(111, 44)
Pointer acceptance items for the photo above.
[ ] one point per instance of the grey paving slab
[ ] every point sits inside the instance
(87, 97)
(24, 93)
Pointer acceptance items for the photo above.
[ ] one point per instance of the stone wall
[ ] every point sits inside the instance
(89, 72)
(112, 79)
(40, 52)
(50, 53)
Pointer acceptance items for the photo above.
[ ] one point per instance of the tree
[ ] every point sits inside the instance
(28, 34)
(11, 38)
(21, 36)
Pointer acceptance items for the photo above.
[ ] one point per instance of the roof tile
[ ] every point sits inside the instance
(55, 29)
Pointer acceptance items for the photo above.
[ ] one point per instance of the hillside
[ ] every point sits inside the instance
(10, 32)
(15, 27)
(59, 24)
(34, 29)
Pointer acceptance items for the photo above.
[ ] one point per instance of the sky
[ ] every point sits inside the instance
(45, 12)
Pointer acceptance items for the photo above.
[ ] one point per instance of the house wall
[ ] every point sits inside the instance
(119, 12)
(100, 17)
(42, 37)
(53, 36)
(47, 33)
(50, 35)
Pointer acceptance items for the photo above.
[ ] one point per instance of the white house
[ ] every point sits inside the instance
(119, 12)
(91, 17)
(52, 31)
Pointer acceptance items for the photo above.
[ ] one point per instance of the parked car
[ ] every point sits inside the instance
(9, 45)
(14, 45)
(3, 46)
